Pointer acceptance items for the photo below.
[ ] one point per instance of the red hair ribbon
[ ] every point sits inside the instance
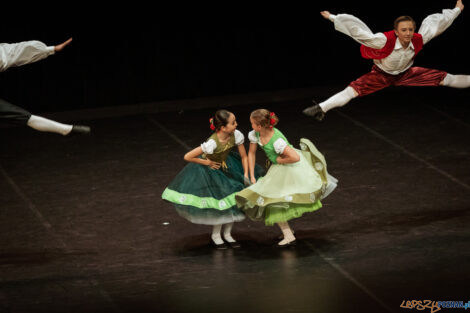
(211, 120)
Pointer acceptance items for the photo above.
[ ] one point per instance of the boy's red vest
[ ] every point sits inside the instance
(377, 54)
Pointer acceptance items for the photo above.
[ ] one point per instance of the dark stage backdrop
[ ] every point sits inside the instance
(147, 55)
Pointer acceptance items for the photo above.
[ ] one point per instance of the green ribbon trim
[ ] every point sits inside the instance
(275, 214)
(199, 202)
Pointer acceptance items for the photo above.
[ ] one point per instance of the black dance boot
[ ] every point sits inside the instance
(315, 111)
(80, 130)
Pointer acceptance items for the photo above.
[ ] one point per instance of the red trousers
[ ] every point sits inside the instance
(414, 76)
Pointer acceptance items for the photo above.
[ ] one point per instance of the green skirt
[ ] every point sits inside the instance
(289, 190)
(206, 196)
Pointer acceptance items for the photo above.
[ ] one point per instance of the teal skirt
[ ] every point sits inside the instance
(206, 196)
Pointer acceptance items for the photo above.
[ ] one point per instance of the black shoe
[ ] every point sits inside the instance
(80, 130)
(234, 245)
(221, 246)
(314, 111)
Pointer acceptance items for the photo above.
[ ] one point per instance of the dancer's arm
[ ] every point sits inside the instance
(436, 24)
(252, 161)
(193, 156)
(244, 157)
(287, 156)
(239, 141)
(26, 52)
(356, 29)
(61, 46)
(285, 152)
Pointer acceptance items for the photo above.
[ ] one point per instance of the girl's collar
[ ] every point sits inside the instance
(226, 140)
(259, 137)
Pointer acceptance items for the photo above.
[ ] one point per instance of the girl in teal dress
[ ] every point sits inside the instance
(295, 182)
(204, 191)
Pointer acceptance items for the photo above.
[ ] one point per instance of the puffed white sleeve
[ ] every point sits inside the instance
(252, 137)
(239, 137)
(435, 24)
(279, 145)
(358, 30)
(17, 54)
(209, 146)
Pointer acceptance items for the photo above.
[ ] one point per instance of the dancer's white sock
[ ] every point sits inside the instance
(339, 99)
(46, 125)
(287, 231)
(216, 238)
(282, 236)
(456, 81)
(228, 233)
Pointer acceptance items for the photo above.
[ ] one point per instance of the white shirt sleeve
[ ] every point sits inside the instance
(252, 137)
(239, 138)
(436, 24)
(17, 54)
(209, 146)
(357, 30)
(279, 145)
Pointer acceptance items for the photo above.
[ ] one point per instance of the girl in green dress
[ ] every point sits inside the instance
(204, 191)
(295, 182)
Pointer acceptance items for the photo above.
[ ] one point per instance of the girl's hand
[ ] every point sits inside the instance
(213, 165)
(325, 14)
(62, 45)
(247, 180)
(253, 180)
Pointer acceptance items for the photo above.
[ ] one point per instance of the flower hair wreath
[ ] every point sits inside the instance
(272, 121)
(211, 121)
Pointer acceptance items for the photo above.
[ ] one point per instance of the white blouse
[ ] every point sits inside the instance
(279, 145)
(252, 137)
(22, 53)
(401, 58)
(209, 146)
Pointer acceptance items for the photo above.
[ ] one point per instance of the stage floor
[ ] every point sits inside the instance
(83, 227)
